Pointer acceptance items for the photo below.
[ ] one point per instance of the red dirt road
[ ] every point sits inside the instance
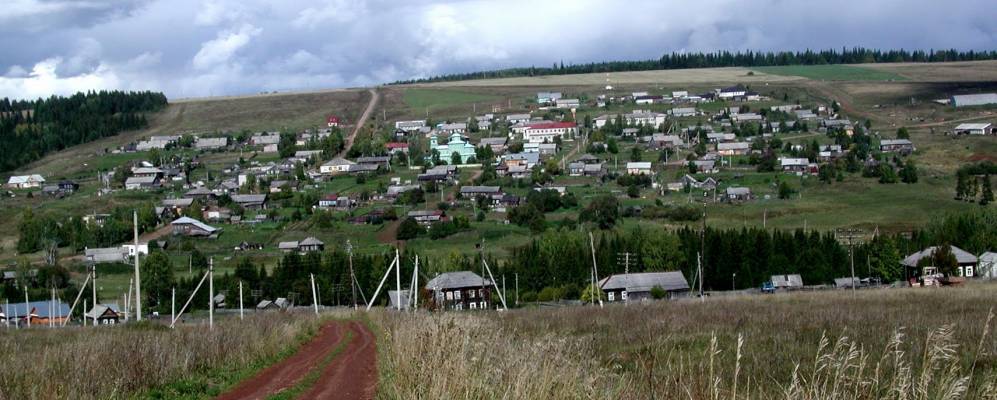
(352, 374)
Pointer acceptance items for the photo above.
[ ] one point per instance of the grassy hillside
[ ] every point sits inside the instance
(832, 72)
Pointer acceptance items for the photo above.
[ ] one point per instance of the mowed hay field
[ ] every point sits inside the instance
(256, 113)
(835, 72)
(672, 76)
(972, 71)
(876, 344)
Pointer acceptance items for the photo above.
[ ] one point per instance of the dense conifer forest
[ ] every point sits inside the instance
(30, 129)
(856, 55)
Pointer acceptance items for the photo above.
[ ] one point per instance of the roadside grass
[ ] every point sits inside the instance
(419, 98)
(874, 344)
(835, 72)
(144, 360)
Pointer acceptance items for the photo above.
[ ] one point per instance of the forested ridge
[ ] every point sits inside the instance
(673, 60)
(30, 129)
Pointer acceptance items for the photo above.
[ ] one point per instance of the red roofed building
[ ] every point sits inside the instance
(332, 121)
(541, 132)
(397, 147)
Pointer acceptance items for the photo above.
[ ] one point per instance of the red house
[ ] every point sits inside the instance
(397, 147)
(332, 121)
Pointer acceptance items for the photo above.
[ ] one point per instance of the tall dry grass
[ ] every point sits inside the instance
(124, 361)
(884, 344)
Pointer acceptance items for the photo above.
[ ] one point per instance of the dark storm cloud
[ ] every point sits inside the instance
(198, 48)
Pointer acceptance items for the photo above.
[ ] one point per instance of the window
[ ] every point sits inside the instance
(481, 293)
(456, 295)
(623, 295)
(449, 295)
(969, 271)
(611, 296)
(470, 294)
(473, 305)
(484, 305)
(459, 306)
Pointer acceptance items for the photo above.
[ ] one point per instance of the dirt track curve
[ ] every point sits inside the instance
(374, 96)
(352, 374)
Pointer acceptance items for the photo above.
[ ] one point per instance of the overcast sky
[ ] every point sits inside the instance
(192, 48)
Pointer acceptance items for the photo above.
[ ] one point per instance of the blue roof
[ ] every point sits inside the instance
(39, 308)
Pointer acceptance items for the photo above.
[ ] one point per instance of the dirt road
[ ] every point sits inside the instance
(352, 374)
(374, 96)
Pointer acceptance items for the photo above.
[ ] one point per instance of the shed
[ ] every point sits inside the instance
(788, 282)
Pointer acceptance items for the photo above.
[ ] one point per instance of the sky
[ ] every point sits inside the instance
(198, 48)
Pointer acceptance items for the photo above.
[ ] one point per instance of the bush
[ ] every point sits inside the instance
(658, 293)
(409, 229)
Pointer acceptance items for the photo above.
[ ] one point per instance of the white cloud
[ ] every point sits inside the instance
(331, 12)
(221, 49)
(43, 81)
(216, 47)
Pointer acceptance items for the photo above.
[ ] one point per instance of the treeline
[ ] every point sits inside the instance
(30, 129)
(47, 231)
(563, 259)
(856, 55)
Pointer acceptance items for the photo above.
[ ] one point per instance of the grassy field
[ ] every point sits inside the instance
(419, 98)
(878, 344)
(832, 72)
(673, 76)
(146, 360)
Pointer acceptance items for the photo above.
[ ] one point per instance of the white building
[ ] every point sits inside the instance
(409, 126)
(974, 129)
(639, 168)
(546, 131)
(25, 181)
(337, 165)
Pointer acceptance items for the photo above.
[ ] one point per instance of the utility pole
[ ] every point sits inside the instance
(173, 304)
(93, 270)
(699, 264)
(211, 293)
(241, 316)
(138, 276)
(626, 261)
(27, 308)
(850, 235)
(398, 282)
(595, 270)
(314, 295)
(353, 278)
(517, 289)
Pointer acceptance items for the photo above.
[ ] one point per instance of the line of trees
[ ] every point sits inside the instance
(30, 129)
(857, 55)
(563, 258)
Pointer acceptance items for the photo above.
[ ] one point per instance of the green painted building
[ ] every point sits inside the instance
(457, 144)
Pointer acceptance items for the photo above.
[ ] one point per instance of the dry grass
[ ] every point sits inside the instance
(672, 76)
(883, 344)
(125, 361)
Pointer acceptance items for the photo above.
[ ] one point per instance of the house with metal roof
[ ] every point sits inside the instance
(967, 261)
(39, 312)
(204, 143)
(902, 146)
(638, 286)
(735, 194)
(187, 226)
(461, 290)
(106, 314)
(106, 254)
(250, 201)
(787, 281)
(25, 181)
